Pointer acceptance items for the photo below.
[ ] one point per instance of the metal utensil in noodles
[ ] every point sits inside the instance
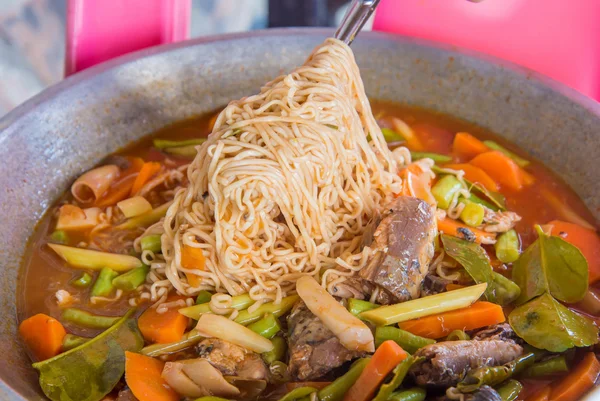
(355, 18)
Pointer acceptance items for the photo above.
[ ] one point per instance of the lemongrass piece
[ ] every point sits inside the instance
(71, 217)
(245, 317)
(134, 206)
(145, 219)
(238, 302)
(95, 260)
(431, 305)
(211, 325)
(350, 330)
(93, 184)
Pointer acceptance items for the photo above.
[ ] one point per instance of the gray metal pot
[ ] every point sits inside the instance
(68, 128)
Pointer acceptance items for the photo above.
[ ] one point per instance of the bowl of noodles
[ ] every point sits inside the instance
(225, 197)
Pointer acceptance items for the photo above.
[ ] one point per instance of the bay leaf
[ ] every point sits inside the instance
(90, 371)
(547, 324)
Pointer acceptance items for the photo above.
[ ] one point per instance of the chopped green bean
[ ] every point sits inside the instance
(391, 136)
(86, 319)
(203, 297)
(412, 394)
(436, 157)
(458, 335)
(517, 159)
(245, 317)
(151, 243)
(357, 306)
(267, 327)
(340, 386)
(238, 302)
(547, 367)
(103, 285)
(132, 279)
(472, 214)
(190, 338)
(59, 237)
(444, 190)
(510, 390)
(278, 351)
(82, 281)
(507, 247)
(408, 341)
(165, 143)
(71, 341)
(298, 393)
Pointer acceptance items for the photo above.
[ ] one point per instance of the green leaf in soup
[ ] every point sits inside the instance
(476, 262)
(551, 265)
(547, 324)
(90, 371)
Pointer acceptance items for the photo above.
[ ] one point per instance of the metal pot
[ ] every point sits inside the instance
(68, 128)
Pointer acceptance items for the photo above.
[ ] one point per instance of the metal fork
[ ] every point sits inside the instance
(355, 18)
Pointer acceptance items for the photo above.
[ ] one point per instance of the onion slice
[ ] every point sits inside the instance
(350, 330)
(210, 325)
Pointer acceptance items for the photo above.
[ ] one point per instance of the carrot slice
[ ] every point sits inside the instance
(165, 327)
(117, 193)
(541, 395)
(143, 377)
(384, 360)
(193, 258)
(502, 169)
(467, 146)
(460, 230)
(476, 175)
(586, 240)
(43, 335)
(478, 315)
(578, 381)
(148, 170)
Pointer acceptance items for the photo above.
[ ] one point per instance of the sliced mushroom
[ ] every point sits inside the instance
(197, 378)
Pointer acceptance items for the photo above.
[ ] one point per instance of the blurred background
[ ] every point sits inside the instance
(32, 44)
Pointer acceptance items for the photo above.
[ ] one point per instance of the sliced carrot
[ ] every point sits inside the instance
(586, 240)
(502, 169)
(460, 230)
(476, 175)
(147, 171)
(384, 360)
(164, 327)
(117, 193)
(452, 287)
(43, 335)
(540, 395)
(578, 381)
(467, 146)
(193, 258)
(143, 377)
(294, 385)
(478, 315)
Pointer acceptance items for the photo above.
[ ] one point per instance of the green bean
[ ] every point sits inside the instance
(267, 327)
(132, 279)
(336, 390)
(71, 341)
(472, 214)
(103, 285)
(86, 319)
(357, 306)
(83, 281)
(408, 341)
(443, 191)
(458, 335)
(391, 136)
(517, 159)
(151, 243)
(507, 247)
(298, 393)
(510, 390)
(245, 317)
(190, 338)
(412, 394)
(547, 367)
(203, 297)
(278, 351)
(436, 157)
(59, 237)
(211, 398)
(165, 143)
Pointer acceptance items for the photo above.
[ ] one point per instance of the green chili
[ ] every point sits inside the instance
(547, 367)
(278, 351)
(391, 136)
(83, 281)
(408, 341)
(472, 214)
(267, 327)
(493, 375)
(132, 279)
(443, 191)
(203, 297)
(71, 341)
(510, 390)
(517, 159)
(298, 393)
(103, 285)
(357, 306)
(59, 237)
(336, 390)
(151, 243)
(458, 335)
(399, 373)
(507, 247)
(86, 319)
(413, 394)
(436, 157)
